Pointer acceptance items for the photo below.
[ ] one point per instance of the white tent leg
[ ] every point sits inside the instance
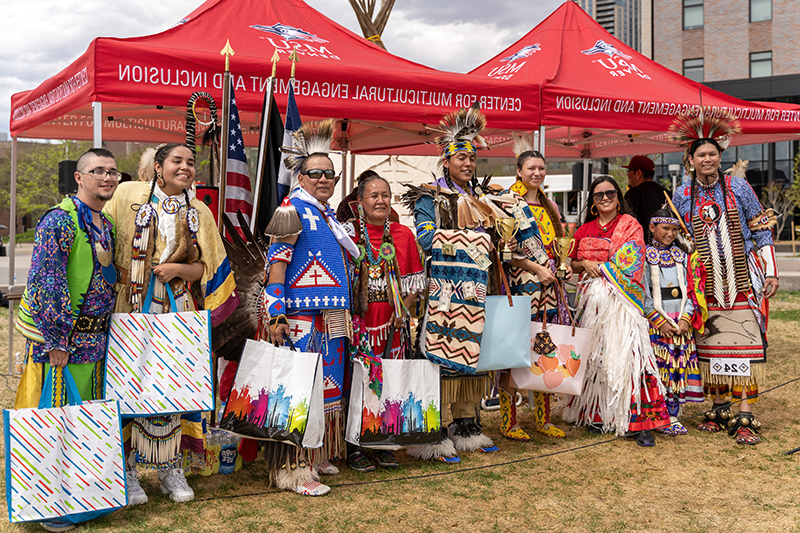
(12, 244)
(541, 141)
(97, 124)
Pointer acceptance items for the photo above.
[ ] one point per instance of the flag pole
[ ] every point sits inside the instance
(266, 116)
(226, 121)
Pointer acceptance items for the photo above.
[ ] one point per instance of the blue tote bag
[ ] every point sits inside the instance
(506, 341)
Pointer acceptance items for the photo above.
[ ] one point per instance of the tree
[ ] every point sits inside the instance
(781, 199)
(37, 174)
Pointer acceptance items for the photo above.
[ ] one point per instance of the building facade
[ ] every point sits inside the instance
(745, 48)
(620, 18)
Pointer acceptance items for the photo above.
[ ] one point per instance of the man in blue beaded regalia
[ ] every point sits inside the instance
(308, 299)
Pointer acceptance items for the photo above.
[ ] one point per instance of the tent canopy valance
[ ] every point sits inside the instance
(143, 83)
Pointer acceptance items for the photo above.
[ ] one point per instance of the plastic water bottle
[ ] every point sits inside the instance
(19, 366)
(228, 454)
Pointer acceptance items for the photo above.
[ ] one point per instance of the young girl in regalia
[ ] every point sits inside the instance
(674, 310)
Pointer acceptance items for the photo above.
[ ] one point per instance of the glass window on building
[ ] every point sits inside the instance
(693, 69)
(760, 10)
(761, 64)
(692, 14)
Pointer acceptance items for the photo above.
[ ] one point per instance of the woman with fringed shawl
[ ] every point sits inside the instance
(167, 236)
(622, 391)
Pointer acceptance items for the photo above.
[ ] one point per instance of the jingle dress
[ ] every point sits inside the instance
(621, 388)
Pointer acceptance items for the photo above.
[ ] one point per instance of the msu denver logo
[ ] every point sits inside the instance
(524, 52)
(289, 33)
(602, 47)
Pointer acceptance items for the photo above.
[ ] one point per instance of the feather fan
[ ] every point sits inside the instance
(248, 258)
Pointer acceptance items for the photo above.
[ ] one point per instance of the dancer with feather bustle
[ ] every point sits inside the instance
(449, 208)
(167, 236)
(308, 299)
(732, 232)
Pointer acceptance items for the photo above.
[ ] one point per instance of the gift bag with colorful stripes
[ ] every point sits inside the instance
(66, 462)
(160, 364)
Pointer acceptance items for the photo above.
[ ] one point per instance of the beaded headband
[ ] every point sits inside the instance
(665, 220)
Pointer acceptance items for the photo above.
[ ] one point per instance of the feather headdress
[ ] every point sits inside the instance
(706, 124)
(312, 138)
(461, 131)
(522, 142)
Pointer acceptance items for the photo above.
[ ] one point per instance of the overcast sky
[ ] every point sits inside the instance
(41, 37)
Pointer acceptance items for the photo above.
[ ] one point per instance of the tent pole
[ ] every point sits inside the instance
(12, 244)
(541, 140)
(352, 172)
(223, 152)
(97, 125)
(343, 191)
(583, 198)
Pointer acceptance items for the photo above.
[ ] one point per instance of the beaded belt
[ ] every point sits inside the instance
(91, 323)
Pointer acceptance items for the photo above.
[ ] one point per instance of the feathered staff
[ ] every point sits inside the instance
(211, 134)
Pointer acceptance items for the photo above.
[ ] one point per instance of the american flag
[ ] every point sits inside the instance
(238, 194)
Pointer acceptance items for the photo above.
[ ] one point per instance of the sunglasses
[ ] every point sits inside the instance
(598, 196)
(317, 173)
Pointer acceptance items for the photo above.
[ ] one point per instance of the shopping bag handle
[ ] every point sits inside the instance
(289, 342)
(73, 396)
(387, 350)
(561, 291)
(148, 301)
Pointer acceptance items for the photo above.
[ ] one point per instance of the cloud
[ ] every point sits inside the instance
(42, 37)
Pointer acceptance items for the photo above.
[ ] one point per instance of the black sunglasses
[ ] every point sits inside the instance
(317, 173)
(598, 196)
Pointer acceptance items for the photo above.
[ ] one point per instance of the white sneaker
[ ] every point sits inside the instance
(136, 494)
(173, 482)
(56, 525)
(326, 469)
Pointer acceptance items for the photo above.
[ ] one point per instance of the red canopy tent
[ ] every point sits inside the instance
(143, 83)
(600, 98)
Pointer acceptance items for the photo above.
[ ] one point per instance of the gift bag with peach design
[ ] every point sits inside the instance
(557, 358)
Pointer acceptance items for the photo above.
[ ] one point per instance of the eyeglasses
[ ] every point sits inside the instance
(598, 196)
(101, 173)
(317, 173)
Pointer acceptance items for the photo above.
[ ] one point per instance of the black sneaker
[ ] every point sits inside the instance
(645, 439)
(359, 462)
(385, 459)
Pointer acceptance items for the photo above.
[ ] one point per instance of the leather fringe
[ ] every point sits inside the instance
(471, 389)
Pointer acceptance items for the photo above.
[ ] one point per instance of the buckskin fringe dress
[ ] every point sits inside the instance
(621, 388)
